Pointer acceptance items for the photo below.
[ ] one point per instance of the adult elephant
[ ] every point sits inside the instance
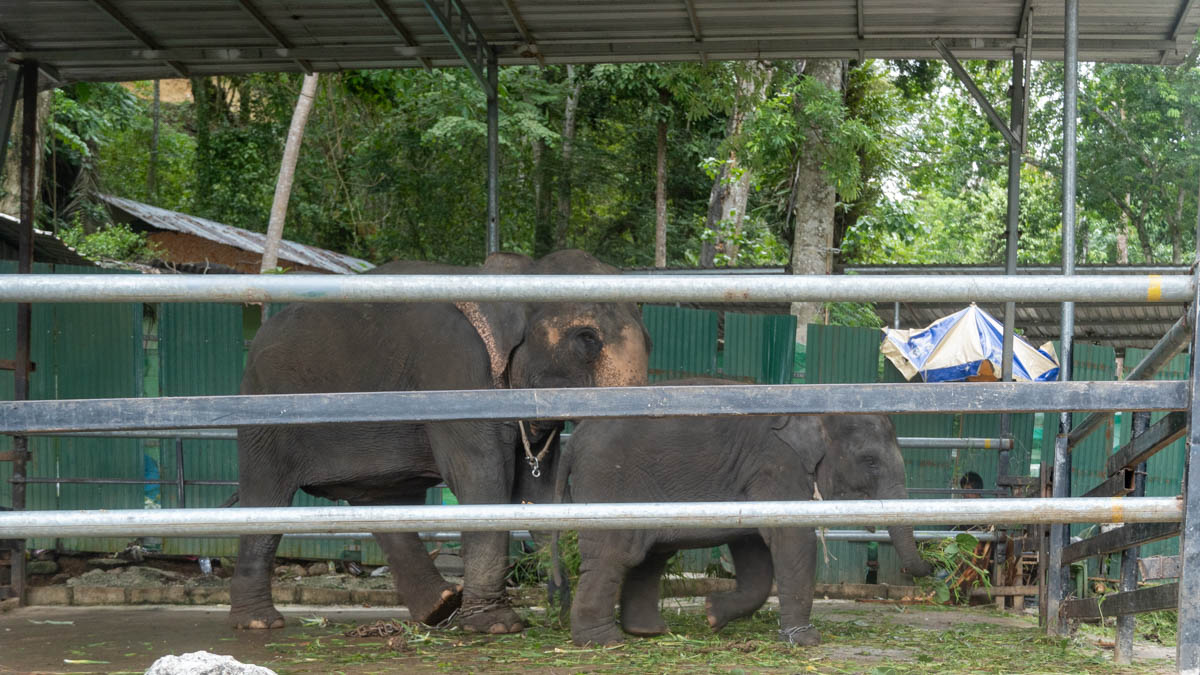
(720, 459)
(310, 348)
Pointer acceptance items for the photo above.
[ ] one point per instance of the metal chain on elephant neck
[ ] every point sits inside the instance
(788, 635)
(535, 461)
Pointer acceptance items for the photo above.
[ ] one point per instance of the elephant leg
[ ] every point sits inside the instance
(601, 571)
(640, 595)
(794, 555)
(477, 461)
(754, 570)
(250, 591)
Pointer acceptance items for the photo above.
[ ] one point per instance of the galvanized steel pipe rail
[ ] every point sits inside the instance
(581, 403)
(231, 435)
(474, 518)
(595, 288)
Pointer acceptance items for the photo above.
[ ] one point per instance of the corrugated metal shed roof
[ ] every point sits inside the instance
(234, 236)
(1117, 325)
(47, 247)
(146, 39)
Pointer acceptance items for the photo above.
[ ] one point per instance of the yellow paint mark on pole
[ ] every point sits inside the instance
(1118, 512)
(1154, 291)
(987, 444)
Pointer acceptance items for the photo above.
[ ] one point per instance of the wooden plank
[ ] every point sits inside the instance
(1119, 539)
(1157, 437)
(1117, 485)
(1149, 599)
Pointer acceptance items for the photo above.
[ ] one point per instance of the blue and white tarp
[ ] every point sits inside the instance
(967, 345)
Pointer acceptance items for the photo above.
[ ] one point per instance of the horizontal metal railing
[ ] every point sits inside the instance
(931, 442)
(467, 518)
(593, 288)
(52, 416)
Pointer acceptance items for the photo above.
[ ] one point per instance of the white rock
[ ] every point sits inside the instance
(204, 663)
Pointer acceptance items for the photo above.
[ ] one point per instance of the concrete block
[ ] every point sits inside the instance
(284, 594)
(98, 595)
(324, 596)
(158, 595)
(209, 595)
(375, 597)
(48, 595)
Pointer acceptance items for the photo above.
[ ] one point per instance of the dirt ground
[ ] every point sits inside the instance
(857, 637)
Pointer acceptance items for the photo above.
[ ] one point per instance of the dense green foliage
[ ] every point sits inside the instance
(393, 162)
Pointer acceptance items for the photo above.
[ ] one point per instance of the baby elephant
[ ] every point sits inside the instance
(720, 459)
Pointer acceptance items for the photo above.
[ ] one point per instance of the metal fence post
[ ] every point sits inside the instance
(1057, 579)
(1123, 652)
(1187, 650)
(493, 154)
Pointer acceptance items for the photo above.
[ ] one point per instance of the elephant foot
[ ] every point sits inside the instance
(719, 613)
(489, 616)
(644, 626)
(256, 620)
(601, 636)
(442, 608)
(801, 636)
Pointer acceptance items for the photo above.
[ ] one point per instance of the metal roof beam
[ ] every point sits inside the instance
(862, 24)
(530, 47)
(697, 32)
(465, 36)
(274, 32)
(1181, 19)
(405, 34)
(984, 104)
(137, 32)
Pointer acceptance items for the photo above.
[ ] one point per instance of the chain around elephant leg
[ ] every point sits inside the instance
(489, 615)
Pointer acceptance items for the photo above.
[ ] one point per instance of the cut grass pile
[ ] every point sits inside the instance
(877, 643)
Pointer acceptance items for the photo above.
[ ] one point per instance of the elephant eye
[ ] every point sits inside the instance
(589, 341)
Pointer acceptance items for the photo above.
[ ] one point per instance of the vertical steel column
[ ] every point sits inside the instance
(1057, 578)
(1187, 641)
(1016, 117)
(29, 79)
(1123, 652)
(493, 150)
(896, 315)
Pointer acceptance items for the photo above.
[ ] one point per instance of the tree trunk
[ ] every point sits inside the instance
(1177, 231)
(287, 172)
(660, 184)
(731, 188)
(10, 201)
(543, 226)
(1123, 237)
(152, 170)
(815, 203)
(568, 149)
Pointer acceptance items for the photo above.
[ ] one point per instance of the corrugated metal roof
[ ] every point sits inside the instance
(47, 247)
(147, 39)
(234, 236)
(1117, 325)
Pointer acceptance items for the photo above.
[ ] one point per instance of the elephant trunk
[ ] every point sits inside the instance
(906, 548)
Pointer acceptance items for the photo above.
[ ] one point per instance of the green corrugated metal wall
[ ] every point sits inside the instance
(839, 355)
(760, 347)
(200, 350)
(685, 342)
(1164, 471)
(65, 370)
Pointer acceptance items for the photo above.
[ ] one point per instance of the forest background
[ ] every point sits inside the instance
(804, 164)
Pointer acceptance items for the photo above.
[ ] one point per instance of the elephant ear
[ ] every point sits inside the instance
(501, 325)
(805, 435)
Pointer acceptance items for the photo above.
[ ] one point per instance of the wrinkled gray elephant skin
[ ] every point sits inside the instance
(720, 459)
(330, 348)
